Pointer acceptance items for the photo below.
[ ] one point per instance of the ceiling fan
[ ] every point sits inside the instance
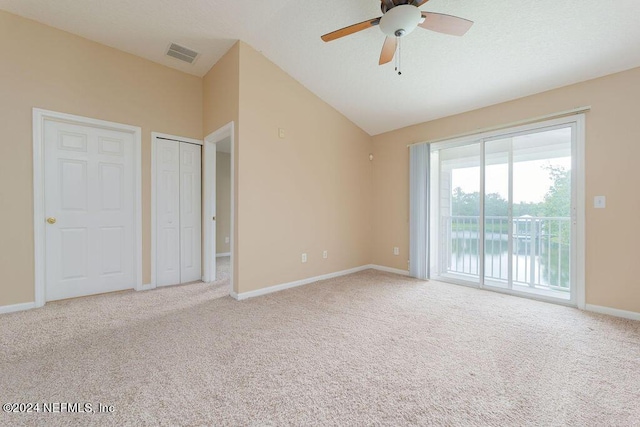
(401, 17)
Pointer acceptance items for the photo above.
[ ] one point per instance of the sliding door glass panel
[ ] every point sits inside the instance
(459, 212)
(496, 209)
(503, 212)
(541, 207)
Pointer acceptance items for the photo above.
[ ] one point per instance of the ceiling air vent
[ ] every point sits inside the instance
(182, 53)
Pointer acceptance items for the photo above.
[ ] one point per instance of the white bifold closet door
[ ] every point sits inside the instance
(190, 212)
(178, 207)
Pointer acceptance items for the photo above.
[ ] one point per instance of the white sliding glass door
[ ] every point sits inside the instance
(458, 211)
(528, 203)
(504, 211)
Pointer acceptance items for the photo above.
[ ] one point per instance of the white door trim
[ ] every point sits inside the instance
(210, 142)
(39, 118)
(581, 203)
(154, 137)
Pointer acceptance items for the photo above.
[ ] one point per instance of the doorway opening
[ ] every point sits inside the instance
(219, 206)
(223, 209)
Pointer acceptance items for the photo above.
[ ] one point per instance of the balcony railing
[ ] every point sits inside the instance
(540, 250)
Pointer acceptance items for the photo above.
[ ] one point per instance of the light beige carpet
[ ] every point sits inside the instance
(223, 270)
(367, 349)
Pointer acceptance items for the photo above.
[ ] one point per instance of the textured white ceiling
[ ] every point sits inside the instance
(516, 47)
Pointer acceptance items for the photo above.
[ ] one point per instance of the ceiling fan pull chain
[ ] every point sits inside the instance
(399, 56)
(396, 56)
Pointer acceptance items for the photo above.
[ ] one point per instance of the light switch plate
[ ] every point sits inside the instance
(600, 202)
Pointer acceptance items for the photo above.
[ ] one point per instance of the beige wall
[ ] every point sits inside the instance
(48, 68)
(308, 192)
(612, 153)
(315, 189)
(221, 100)
(223, 201)
(221, 92)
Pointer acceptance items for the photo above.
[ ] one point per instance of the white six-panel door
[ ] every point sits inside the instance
(178, 212)
(89, 203)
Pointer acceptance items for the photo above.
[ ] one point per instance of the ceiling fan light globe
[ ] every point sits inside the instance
(404, 17)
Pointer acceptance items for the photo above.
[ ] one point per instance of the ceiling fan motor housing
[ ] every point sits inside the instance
(400, 21)
(387, 5)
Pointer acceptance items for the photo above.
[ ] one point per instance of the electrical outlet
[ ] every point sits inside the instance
(325, 254)
(226, 240)
(304, 257)
(281, 133)
(396, 251)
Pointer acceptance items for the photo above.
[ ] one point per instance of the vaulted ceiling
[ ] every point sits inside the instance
(515, 48)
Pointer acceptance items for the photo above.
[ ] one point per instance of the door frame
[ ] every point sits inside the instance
(579, 213)
(40, 116)
(209, 191)
(154, 189)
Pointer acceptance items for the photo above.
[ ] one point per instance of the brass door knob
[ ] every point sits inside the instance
(51, 220)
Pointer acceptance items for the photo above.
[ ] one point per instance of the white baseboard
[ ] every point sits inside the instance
(613, 312)
(147, 287)
(17, 307)
(389, 269)
(283, 286)
(223, 254)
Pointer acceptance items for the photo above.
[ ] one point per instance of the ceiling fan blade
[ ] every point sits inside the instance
(446, 24)
(350, 29)
(388, 50)
(420, 2)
